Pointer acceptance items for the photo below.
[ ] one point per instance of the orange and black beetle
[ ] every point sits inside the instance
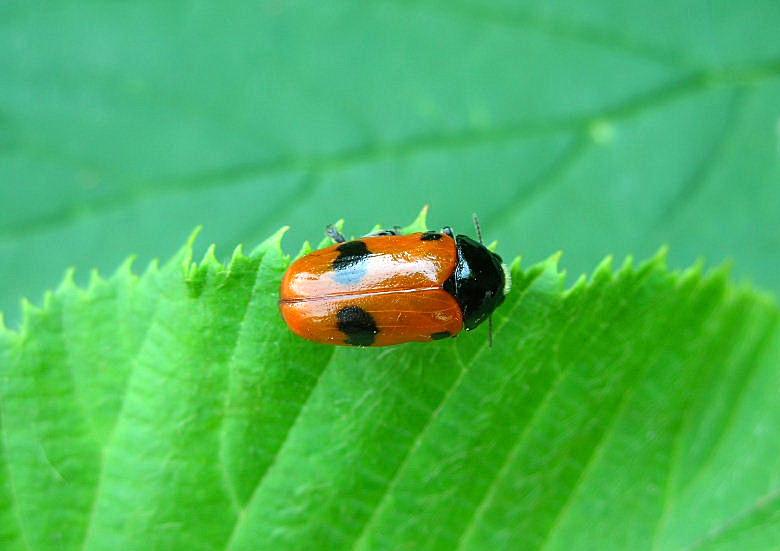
(388, 288)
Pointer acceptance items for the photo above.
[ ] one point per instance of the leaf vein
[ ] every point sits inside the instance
(88, 529)
(563, 29)
(760, 347)
(241, 518)
(229, 487)
(434, 414)
(762, 503)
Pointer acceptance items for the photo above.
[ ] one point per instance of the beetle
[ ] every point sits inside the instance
(387, 288)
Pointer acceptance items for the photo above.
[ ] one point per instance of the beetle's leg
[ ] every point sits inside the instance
(446, 230)
(335, 234)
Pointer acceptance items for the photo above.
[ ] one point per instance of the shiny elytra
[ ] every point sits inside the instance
(390, 289)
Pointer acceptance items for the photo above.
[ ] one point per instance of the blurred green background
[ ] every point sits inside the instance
(594, 128)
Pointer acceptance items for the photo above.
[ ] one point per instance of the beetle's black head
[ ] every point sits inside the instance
(480, 281)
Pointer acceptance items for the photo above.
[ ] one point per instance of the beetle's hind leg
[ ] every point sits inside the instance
(335, 234)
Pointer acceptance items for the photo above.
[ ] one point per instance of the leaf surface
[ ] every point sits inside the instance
(174, 410)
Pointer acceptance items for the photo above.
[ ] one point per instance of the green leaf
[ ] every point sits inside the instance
(174, 410)
(601, 127)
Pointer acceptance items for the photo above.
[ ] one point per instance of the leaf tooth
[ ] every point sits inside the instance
(272, 243)
(193, 237)
(659, 260)
(238, 254)
(579, 286)
(95, 280)
(516, 265)
(184, 255)
(152, 267)
(28, 308)
(420, 223)
(210, 257)
(716, 279)
(548, 271)
(688, 280)
(236, 264)
(746, 289)
(516, 271)
(553, 266)
(627, 266)
(236, 258)
(29, 311)
(191, 271)
(522, 279)
(604, 270)
(3, 327)
(724, 270)
(125, 269)
(305, 249)
(553, 261)
(722, 275)
(694, 271)
(68, 282)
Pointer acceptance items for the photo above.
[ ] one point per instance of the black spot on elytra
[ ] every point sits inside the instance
(431, 236)
(349, 265)
(441, 335)
(358, 325)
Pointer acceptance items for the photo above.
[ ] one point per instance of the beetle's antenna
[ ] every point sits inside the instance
(478, 227)
(490, 331)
